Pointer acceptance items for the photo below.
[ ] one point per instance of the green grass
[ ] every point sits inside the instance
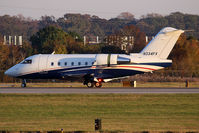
(75, 112)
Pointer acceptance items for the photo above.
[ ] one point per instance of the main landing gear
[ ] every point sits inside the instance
(98, 84)
(91, 84)
(23, 84)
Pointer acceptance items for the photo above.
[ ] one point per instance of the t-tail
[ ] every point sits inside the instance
(162, 44)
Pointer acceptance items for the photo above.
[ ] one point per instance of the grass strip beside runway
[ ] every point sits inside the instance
(76, 112)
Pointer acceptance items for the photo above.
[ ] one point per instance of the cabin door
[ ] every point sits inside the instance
(43, 59)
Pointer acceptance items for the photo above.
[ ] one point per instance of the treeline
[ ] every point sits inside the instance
(93, 25)
(152, 23)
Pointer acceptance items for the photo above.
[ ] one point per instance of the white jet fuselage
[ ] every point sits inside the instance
(105, 66)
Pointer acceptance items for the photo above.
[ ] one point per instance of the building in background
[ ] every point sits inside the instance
(149, 38)
(125, 43)
(13, 40)
(90, 39)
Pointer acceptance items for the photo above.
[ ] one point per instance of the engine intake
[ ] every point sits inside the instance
(123, 60)
(111, 59)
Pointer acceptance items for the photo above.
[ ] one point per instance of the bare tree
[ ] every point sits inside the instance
(126, 15)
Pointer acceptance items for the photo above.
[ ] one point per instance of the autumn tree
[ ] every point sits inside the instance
(12, 54)
(126, 15)
(9, 56)
(47, 21)
(185, 56)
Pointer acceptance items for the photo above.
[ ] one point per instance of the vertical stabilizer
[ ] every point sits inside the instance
(162, 44)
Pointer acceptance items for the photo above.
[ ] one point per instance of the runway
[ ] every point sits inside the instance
(100, 91)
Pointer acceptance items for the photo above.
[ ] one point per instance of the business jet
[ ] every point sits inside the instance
(94, 69)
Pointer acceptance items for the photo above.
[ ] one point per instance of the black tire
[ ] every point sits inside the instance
(98, 85)
(90, 84)
(23, 85)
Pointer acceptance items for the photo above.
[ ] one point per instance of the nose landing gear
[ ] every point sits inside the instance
(23, 84)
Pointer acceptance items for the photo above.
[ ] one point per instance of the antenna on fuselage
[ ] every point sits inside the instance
(53, 52)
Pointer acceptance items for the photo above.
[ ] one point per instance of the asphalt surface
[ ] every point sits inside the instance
(74, 90)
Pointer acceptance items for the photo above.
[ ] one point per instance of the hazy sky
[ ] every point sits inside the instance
(102, 8)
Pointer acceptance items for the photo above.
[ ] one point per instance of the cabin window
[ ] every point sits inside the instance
(52, 63)
(65, 63)
(59, 63)
(86, 63)
(72, 63)
(27, 62)
(79, 63)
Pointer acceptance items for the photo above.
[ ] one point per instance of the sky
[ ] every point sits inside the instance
(102, 8)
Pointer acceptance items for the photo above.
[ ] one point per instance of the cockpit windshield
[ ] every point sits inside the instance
(28, 61)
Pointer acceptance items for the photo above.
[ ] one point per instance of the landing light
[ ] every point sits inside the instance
(100, 80)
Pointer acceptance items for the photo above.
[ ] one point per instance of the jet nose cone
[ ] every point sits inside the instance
(9, 72)
(6, 72)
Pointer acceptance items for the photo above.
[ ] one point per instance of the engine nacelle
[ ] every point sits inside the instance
(111, 59)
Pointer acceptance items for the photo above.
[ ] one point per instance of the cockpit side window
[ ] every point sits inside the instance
(28, 61)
